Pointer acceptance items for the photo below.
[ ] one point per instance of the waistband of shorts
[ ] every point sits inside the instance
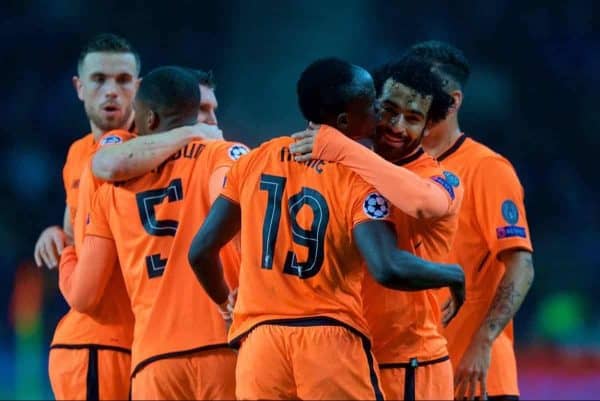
(311, 321)
(413, 363)
(91, 346)
(142, 364)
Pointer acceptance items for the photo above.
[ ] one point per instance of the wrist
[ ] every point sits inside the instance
(485, 337)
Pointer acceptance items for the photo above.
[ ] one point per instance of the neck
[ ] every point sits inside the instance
(441, 137)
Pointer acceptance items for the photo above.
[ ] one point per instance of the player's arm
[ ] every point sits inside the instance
(401, 270)
(221, 225)
(510, 294)
(142, 154)
(415, 196)
(500, 213)
(82, 281)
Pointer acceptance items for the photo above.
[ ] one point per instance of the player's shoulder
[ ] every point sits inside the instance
(229, 149)
(483, 154)
(80, 145)
(114, 137)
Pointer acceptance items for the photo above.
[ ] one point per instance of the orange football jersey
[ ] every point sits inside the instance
(492, 219)
(152, 220)
(299, 260)
(406, 325)
(111, 322)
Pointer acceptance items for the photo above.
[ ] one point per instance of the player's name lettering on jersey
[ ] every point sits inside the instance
(316, 164)
(189, 151)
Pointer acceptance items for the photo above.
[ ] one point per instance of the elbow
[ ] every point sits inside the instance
(104, 169)
(82, 304)
(383, 271)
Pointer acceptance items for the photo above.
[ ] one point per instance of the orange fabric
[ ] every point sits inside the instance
(407, 191)
(152, 220)
(307, 363)
(68, 374)
(432, 382)
(78, 156)
(488, 224)
(327, 200)
(405, 325)
(111, 322)
(206, 375)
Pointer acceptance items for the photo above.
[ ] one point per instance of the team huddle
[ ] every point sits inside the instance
(311, 267)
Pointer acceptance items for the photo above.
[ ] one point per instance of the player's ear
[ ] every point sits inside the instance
(152, 120)
(78, 86)
(457, 95)
(137, 83)
(342, 122)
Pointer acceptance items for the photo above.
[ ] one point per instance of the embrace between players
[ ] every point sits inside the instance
(311, 267)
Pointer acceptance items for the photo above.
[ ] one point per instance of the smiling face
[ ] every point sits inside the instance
(402, 122)
(106, 84)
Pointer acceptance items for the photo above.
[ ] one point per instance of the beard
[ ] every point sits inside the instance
(106, 123)
(394, 151)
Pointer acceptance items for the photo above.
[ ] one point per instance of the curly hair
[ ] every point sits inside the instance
(416, 73)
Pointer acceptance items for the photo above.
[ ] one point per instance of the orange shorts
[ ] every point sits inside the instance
(308, 362)
(203, 375)
(89, 372)
(433, 381)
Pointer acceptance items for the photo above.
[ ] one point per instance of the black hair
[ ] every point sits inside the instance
(446, 60)
(416, 73)
(204, 78)
(109, 43)
(327, 86)
(171, 92)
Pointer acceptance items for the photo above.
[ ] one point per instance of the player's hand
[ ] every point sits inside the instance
(231, 300)
(457, 300)
(472, 371)
(226, 308)
(449, 310)
(49, 246)
(206, 131)
(305, 140)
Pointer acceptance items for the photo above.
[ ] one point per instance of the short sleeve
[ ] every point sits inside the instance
(235, 177)
(97, 222)
(500, 206)
(367, 203)
(228, 153)
(67, 176)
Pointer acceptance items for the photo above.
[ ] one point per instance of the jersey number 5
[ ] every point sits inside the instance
(313, 238)
(146, 201)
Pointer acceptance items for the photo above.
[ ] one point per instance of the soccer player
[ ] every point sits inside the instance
(493, 245)
(141, 155)
(407, 341)
(179, 342)
(304, 228)
(90, 355)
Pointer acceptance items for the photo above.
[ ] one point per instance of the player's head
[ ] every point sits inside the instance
(107, 79)
(334, 92)
(448, 62)
(168, 97)
(208, 105)
(412, 99)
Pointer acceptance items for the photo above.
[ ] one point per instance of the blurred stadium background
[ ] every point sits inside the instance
(533, 96)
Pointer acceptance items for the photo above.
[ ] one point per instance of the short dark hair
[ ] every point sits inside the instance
(171, 92)
(109, 43)
(205, 78)
(446, 60)
(416, 73)
(327, 86)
